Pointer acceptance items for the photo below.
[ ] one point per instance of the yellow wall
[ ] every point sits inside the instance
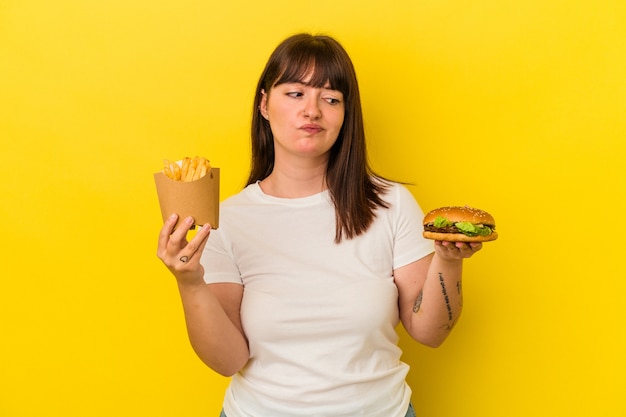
(514, 106)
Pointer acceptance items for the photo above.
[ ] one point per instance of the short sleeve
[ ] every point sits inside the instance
(409, 244)
(218, 260)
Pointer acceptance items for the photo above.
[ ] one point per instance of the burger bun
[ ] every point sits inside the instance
(459, 237)
(460, 214)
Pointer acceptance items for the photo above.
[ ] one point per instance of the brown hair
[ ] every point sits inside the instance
(354, 188)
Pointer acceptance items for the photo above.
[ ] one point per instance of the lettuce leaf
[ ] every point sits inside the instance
(470, 229)
(442, 222)
(466, 228)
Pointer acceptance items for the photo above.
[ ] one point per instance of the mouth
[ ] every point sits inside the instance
(311, 128)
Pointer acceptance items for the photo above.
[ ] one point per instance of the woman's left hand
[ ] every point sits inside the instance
(456, 250)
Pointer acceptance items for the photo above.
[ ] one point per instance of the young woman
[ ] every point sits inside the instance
(298, 293)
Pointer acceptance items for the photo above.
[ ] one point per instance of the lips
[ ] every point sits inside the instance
(311, 128)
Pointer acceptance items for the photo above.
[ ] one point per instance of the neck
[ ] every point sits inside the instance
(295, 182)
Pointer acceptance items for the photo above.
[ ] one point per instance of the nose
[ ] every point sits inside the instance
(312, 108)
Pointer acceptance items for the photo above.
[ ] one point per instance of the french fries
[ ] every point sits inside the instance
(189, 169)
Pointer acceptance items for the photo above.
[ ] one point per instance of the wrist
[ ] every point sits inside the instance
(191, 285)
(448, 258)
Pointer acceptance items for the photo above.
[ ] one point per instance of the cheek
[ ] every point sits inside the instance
(338, 119)
(279, 109)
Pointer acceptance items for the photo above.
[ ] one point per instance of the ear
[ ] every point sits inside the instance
(263, 105)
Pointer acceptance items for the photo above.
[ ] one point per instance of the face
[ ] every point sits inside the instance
(305, 121)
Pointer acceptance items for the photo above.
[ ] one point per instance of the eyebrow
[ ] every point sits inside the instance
(325, 87)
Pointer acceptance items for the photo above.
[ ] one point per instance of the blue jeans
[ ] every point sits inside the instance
(409, 413)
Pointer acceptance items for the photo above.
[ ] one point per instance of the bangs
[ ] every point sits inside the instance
(317, 65)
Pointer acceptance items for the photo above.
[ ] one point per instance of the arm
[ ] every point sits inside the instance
(214, 326)
(211, 311)
(430, 292)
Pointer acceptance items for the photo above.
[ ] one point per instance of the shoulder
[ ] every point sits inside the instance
(401, 203)
(244, 196)
(395, 193)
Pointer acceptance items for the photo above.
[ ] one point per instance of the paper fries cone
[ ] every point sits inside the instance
(199, 199)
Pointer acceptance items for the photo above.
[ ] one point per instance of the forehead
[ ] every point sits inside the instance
(306, 82)
(311, 73)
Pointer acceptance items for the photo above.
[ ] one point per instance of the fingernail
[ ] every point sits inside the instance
(189, 220)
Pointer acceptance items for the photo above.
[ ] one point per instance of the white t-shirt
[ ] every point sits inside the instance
(320, 317)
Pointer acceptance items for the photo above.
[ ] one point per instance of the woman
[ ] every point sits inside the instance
(298, 293)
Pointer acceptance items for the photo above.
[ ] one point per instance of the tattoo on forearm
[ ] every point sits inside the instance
(459, 289)
(418, 302)
(445, 296)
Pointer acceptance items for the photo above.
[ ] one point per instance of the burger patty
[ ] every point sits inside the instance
(449, 229)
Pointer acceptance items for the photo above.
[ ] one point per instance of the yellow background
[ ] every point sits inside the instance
(517, 107)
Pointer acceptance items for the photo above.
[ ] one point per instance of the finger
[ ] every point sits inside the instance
(441, 243)
(469, 245)
(178, 237)
(164, 235)
(449, 245)
(470, 248)
(476, 246)
(196, 245)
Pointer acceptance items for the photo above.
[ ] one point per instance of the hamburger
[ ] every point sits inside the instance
(459, 224)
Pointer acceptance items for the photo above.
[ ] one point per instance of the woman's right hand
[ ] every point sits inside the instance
(211, 311)
(182, 257)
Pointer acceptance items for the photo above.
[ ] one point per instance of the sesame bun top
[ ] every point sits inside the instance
(460, 214)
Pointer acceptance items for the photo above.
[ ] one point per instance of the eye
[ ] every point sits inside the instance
(332, 97)
(294, 94)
